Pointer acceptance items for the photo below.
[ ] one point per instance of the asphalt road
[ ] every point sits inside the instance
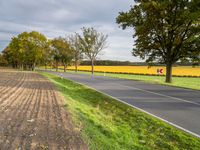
(177, 106)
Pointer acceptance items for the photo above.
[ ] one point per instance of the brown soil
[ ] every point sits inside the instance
(33, 115)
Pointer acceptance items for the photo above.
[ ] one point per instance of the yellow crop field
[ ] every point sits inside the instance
(177, 71)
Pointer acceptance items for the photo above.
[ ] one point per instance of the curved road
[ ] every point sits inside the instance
(177, 106)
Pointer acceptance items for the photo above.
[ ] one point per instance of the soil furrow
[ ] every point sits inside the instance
(31, 130)
(17, 119)
(32, 114)
(7, 103)
(43, 140)
(11, 89)
(30, 119)
(7, 81)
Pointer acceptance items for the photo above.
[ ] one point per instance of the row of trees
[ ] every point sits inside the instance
(129, 63)
(165, 32)
(29, 49)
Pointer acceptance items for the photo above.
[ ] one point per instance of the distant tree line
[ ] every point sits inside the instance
(128, 63)
(113, 63)
(29, 49)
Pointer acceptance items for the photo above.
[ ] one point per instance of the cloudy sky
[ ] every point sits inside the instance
(63, 17)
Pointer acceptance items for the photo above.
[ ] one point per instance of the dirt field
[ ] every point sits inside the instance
(32, 114)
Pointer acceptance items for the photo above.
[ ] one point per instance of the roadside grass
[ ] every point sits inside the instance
(107, 124)
(184, 82)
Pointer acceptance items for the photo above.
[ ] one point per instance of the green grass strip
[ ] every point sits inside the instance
(107, 124)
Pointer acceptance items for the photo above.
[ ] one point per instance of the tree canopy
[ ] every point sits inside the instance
(76, 46)
(92, 43)
(165, 31)
(29, 49)
(62, 51)
(26, 49)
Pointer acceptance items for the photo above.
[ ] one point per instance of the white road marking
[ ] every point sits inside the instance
(179, 99)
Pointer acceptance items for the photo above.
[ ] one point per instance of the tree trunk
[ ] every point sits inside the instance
(168, 72)
(56, 66)
(65, 66)
(33, 69)
(52, 65)
(22, 66)
(92, 65)
(45, 66)
(33, 66)
(76, 66)
(25, 67)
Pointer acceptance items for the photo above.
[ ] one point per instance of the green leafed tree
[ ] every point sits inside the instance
(62, 52)
(75, 45)
(26, 50)
(15, 51)
(166, 31)
(3, 61)
(47, 54)
(36, 44)
(92, 43)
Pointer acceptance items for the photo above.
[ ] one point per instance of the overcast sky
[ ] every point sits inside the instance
(63, 17)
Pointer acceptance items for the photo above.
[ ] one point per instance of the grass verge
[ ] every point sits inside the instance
(184, 82)
(108, 124)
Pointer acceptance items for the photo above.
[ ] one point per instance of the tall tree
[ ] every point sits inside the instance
(12, 53)
(3, 61)
(47, 54)
(26, 49)
(75, 45)
(36, 43)
(62, 52)
(92, 43)
(164, 30)
(56, 52)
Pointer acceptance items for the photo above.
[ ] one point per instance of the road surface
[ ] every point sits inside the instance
(177, 106)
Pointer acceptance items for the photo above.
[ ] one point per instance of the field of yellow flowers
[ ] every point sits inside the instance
(153, 70)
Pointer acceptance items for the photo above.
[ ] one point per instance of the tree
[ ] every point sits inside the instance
(75, 45)
(62, 52)
(47, 54)
(26, 49)
(3, 61)
(92, 43)
(165, 31)
(36, 44)
(56, 52)
(9, 56)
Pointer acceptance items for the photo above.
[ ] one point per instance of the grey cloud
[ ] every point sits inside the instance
(62, 17)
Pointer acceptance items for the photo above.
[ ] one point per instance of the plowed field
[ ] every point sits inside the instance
(33, 115)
